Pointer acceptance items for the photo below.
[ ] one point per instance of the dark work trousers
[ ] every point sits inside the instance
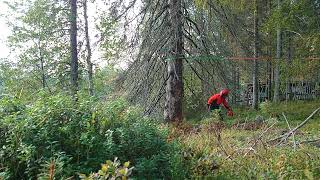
(215, 106)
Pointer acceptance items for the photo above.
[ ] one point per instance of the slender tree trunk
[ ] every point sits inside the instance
(43, 73)
(74, 53)
(276, 97)
(234, 83)
(255, 101)
(89, 63)
(174, 89)
(43, 76)
(238, 93)
(269, 53)
(269, 69)
(289, 59)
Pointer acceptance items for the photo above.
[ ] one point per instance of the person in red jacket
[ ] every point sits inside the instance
(217, 99)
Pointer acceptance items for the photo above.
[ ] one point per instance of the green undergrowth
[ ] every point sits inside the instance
(55, 137)
(238, 158)
(295, 112)
(245, 150)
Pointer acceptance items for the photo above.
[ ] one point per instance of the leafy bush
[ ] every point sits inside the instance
(75, 137)
(110, 170)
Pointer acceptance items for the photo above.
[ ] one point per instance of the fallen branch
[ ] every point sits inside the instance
(305, 121)
(309, 141)
(294, 141)
(261, 135)
(285, 136)
(217, 130)
(259, 138)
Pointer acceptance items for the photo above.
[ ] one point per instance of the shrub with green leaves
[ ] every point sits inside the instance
(33, 135)
(110, 170)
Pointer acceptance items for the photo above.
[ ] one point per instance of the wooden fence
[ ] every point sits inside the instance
(300, 90)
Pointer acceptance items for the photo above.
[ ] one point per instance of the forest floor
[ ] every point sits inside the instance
(52, 132)
(255, 144)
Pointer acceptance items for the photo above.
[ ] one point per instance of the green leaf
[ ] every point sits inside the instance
(126, 164)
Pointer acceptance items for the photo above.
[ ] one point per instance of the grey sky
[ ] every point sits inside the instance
(4, 32)
(92, 14)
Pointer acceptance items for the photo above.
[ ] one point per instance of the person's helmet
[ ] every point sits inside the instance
(224, 92)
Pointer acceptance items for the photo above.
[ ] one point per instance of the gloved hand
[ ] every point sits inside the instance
(230, 113)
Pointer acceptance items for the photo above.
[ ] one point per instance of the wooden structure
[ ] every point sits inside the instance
(248, 93)
(299, 90)
(304, 90)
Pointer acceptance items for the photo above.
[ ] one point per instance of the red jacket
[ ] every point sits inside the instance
(218, 99)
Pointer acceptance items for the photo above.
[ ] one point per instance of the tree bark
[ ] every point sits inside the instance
(234, 83)
(174, 88)
(289, 59)
(74, 52)
(43, 73)
(276, 97)
(255, 101)
(269, 63)
(88, 59)
(43, 76)
(269, 76)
